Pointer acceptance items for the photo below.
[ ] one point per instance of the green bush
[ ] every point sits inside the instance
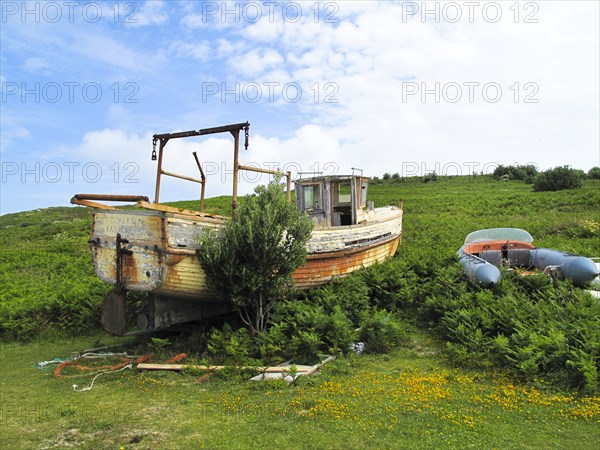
(558, 179)
(339, 332)
(381, 331)
(430, 177)
(251, 264)
(524, 173)
(351, 294)
(234, 347)
(527, 324)
(594, 173)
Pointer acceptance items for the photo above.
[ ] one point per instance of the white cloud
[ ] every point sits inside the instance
(200, 51)
(381, 55)
(12, 133)
(193, 21)
(37, 65)
(152, 12)
(256, 62)
(108, 50)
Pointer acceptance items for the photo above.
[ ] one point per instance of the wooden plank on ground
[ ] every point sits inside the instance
(178, 367)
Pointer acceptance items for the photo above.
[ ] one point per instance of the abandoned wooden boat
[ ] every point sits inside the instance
(153, 249)
(484, 251)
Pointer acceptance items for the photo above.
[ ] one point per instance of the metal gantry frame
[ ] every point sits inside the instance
(234, 129)
(163, 139)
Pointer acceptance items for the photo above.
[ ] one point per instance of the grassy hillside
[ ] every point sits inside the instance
(477, 368)
(47, 279)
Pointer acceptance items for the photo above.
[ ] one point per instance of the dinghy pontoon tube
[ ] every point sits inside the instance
(484, 251)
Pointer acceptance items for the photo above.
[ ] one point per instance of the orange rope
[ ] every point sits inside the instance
(176, 358)
(76, 365)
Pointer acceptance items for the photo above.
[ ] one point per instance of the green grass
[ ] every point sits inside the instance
(408, 399)
(412, 398)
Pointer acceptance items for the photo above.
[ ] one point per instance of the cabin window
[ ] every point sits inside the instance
(363, 193)
(312, 197)
(344, 193)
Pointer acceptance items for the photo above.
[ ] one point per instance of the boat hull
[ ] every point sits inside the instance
(162, 246)
(323, 267)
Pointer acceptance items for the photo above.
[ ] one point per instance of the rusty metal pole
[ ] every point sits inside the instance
(289, 186)
(236, 168)
(159, 169)
(203, 181)
(202, 197)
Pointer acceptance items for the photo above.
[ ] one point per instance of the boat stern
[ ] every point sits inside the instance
(126, 248)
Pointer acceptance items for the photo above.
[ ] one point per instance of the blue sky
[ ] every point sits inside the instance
(405, 87)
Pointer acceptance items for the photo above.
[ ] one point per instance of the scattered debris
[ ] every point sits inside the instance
(292, 372)
(286, 371)
(76, 355)
(76, 362)
(357, 347)
(143, 359)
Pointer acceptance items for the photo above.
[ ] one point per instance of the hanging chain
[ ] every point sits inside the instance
(154, 149)
(246, 135)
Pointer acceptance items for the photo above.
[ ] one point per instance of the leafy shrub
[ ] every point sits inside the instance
(381, 331)
(557, 179)
(251, 265)
(526, 324)
(339, 332)
(231, 346)
(524, 173)
(351, 294)
(305, 344)
(594, 173)
(430, 177)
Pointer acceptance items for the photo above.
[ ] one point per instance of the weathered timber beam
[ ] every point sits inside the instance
(178, 367)
(204, 131)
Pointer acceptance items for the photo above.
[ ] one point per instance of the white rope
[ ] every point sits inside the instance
(43, 364)
(102, 355)
(89, 388)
